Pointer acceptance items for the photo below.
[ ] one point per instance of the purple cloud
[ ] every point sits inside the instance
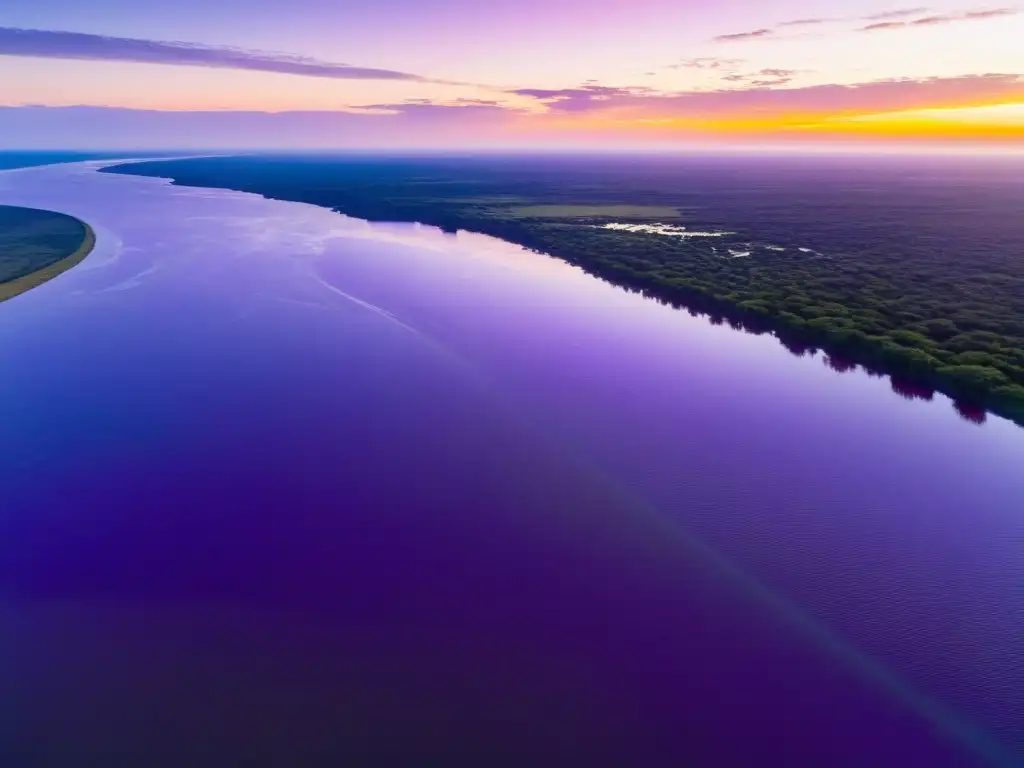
(806, 22)
(406, 125)
(763, 78)
(859, 98)
(705, 62)
(753, 35)
(425, 108)
(967, 16)
(38, 43)
(584, 98)
(946, 18)
(422, 123)
(898, 14)
(883, 25)
(886, 20)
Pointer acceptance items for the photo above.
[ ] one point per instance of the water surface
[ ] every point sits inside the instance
(283, 487)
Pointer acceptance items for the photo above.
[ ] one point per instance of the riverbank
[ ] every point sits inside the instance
(19, 285)
(897, 270)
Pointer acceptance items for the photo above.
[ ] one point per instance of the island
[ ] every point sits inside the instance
(901, 271)
(37, 246)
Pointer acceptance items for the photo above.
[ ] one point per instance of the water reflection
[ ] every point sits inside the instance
(279, 481)
(911, 390)
(799, 346)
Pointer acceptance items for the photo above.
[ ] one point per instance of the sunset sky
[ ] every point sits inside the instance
(467, 73)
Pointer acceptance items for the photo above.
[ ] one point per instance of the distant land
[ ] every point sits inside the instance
(907, 267)
(12, 159)
(36, 246)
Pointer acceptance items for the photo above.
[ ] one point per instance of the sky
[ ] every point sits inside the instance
(445, 74)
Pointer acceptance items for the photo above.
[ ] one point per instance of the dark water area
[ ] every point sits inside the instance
(282, 487)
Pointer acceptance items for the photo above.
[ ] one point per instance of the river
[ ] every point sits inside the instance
(281, 487)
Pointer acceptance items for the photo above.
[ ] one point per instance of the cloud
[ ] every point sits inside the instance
(946, 18)
(587, 113)
(753, 35)
(806, 22)
(763, 78)
(584, 98)
(398, 125)
(427, 109)
(898, 14)
(967, 16)
(811, 102)
(883, 25)
(705, 62)
(37, 43)
(886, 20)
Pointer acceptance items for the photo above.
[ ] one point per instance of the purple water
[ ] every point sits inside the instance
(285, 488)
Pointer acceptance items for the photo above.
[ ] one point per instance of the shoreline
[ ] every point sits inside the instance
(25, 283)
(911, 375)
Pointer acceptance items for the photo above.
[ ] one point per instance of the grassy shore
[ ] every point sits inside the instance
(11, 288)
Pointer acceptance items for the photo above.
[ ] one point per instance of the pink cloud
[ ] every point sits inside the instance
(762, 78)
(705, 62)
(883, 25)
(386, 125)
(806, 22)
(744, 35)
(471, 122)
(946, 18)
(898, 14)
(763, 102)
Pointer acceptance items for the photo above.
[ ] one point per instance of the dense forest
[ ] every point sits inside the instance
(912, 268)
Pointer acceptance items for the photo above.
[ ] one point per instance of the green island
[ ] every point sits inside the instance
(905, 283)
(36, 246)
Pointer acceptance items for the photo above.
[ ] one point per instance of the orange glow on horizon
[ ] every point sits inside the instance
(998, 123)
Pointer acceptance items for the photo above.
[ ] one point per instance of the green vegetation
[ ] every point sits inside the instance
(917, 276)
(36, 246)
(641, 212)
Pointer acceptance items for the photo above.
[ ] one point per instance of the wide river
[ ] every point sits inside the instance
(280, 487)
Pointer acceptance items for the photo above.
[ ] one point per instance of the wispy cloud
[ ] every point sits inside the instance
(878, 96)
(398, 125)
(993, 13)
(896, 19)
(944, 18)
(586, 113)
(883, 25)
(39, 43)
(752, 35)
(763, 78)
(897, 14)
(807, 22)
(584, 98)
(705, 62)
